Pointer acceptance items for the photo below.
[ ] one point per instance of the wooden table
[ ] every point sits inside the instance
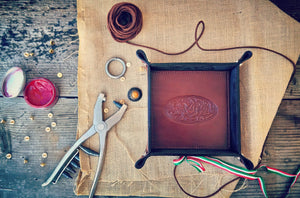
(28, 26)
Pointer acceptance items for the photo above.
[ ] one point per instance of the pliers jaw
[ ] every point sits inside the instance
(98, 122)
(116, 117)
(98, 113)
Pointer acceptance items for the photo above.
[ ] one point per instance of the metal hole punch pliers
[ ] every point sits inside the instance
(99, 126)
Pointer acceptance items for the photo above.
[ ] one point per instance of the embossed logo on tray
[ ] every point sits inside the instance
(190, 109)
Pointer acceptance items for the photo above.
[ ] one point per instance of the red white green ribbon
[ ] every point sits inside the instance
(196, 162)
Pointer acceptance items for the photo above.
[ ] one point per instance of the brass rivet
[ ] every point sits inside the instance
(50, 115)
(25, 161)
(59, 75)
(8, 156)
(47, 129)
(11, 122)
(31, 54)
(26, 138)
(52, 42)
(122, 101)
(31, 117)
(143, 68)
(26, 54)
(128, 64)
(2, 121)
(42, 164)
(51, 51)
(105, 110)
(122, 78)
(44, 155)
(53, 124)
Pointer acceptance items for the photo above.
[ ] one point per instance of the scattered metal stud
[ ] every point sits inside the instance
(31, 54)
(128, 64)
(105, 110)
(44, 155)
(47, 129)
(2, 121)
(59, 75)
(52, 42)
(12, 122)
(122, 79)
(51, 51)
(26, 138)
(42, 164)
(26, 54)
(25, 161)
(50, 115)
(143, 68)
(31, 117)
(53, 124)
(122, 101)
(8, 156)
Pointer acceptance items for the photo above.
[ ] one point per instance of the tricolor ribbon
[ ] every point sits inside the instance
(196, 162)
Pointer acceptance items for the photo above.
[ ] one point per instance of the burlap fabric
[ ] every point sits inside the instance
(169, 25)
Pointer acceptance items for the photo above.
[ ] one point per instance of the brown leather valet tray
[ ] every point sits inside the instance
(194, 108)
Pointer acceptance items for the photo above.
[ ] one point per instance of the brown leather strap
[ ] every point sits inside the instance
(125, 21)
(174, 173)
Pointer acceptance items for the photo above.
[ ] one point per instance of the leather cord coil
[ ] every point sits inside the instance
(125, 21)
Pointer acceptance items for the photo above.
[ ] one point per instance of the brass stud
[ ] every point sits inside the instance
(122, 101)
(47, 129)
(143, 68)
(12, 122)
(59, 75)
(44, 155)
(51, 51)
(53, 124)
(25, 161)
(122, 78)
(31, 54)
(42, 164)
(31, 117)
(26, 54)
(8, 156)
(105, 110)
(26, 138)
(2, 121)
(52, 42)
(50, 115)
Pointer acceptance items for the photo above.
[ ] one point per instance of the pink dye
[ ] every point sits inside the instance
(40, 93)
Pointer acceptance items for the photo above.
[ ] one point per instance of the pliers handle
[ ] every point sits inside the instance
(99, 126)
(68, 157)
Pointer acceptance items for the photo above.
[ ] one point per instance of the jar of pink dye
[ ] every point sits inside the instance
(41, 93)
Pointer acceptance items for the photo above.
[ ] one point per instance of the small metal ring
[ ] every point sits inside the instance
(107, 65)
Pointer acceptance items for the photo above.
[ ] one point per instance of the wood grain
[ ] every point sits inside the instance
(282, 151)
(28, 27)
(293, 90)
(24, 180)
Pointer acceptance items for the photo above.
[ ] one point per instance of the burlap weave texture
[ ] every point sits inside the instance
(169, 25)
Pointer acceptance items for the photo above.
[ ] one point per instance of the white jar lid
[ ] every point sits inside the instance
(13, 82)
